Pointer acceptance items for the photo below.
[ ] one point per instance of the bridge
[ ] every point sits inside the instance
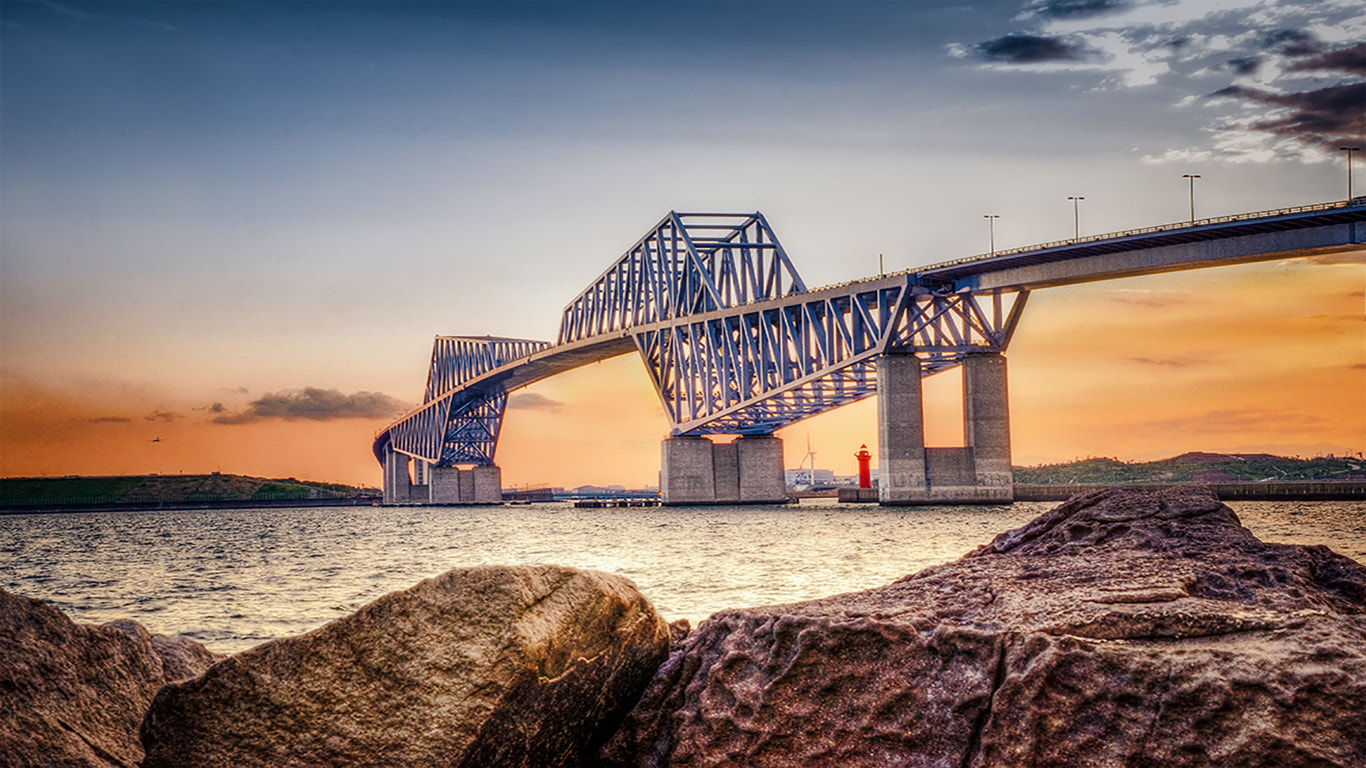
(736, 343)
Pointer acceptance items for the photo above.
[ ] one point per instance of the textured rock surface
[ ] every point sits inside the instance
(514, 666)
(1120, 629)
(74, 694)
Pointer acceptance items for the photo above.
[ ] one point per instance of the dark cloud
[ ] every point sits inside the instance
(532, 401)
(315, 405)
(1291, 42)
(1350, 60)
(1245, 66)
(1030, 49)
(1328, 117)
(110, 420)
(1077, 9)
(162, 417)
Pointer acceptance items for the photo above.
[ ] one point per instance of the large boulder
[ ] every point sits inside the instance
(74, 694)
(1120, 629)
(491, 666)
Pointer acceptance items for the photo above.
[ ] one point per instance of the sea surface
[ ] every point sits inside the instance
(235, 578)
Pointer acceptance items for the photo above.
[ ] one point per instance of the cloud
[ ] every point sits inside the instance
(65, 10)
(1169, 362)
(1327, 117)
(1267, 54)
(1244, 420)
(1149, 298)
(1291, 42)
(1075, 9)
(109, 420)
(1031, 49)
(533, 401)
(314, 404)
(161, 416)
(1350, 60)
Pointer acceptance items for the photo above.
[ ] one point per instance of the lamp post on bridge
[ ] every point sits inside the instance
(1192, 177)
(1349, 151)
(1076, 217)
(991, 230)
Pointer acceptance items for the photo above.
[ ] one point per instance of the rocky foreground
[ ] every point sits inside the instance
(1120, 629)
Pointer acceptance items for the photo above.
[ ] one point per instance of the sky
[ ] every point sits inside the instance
(230, 230)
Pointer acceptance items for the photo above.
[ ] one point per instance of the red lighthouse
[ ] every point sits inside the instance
(865, 475)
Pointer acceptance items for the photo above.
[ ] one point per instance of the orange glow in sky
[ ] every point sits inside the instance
(1257, 358)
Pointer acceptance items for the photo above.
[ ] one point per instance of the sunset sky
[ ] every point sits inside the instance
(236, 226)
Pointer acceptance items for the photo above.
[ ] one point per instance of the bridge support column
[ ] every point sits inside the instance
(900, 431)
(979, 472)
(986, 425)
(748, 470)
(397, 484)
(477, 485)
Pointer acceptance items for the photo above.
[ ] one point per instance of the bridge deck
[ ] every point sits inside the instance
(1266, 236)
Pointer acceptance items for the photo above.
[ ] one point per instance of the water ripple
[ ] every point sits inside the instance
(235, 578)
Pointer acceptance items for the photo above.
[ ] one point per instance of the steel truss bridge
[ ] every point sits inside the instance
(736, 343)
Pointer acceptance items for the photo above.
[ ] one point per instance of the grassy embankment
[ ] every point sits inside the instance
(40, 491)
(1196, 467)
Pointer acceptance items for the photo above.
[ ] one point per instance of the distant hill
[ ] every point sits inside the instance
(37, 491)
(1198, 468)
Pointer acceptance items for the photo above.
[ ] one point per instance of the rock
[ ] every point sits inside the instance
(74, 694)
(492, 666)
(1120, 629)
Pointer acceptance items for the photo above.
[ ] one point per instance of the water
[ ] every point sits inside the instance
(235, 578)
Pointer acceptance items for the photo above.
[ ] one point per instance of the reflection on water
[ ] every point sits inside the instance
(235, 578)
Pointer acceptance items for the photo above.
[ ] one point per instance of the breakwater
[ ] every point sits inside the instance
(1310, 491)
(1299, 491)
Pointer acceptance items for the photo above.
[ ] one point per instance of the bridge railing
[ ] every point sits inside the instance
(1133, 232)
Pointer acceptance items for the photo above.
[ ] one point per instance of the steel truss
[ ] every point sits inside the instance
(689, 263)
(733, 340)
(756, 370)
(455, 426)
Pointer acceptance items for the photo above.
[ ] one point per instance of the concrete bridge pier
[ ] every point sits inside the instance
(398, 484)
(977, 473)
(430, 484)
(748, 470)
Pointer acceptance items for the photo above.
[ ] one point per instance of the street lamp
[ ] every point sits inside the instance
(1192, 177)
(991, 230)
(1349, 151)
(1076, 217)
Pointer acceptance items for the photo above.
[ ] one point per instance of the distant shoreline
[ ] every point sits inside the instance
(153, 506)
(1289, 491)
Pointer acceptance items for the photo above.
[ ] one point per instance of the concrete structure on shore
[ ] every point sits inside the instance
(977, 473)
(433, 484)
(736, 344)
(748, 470)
